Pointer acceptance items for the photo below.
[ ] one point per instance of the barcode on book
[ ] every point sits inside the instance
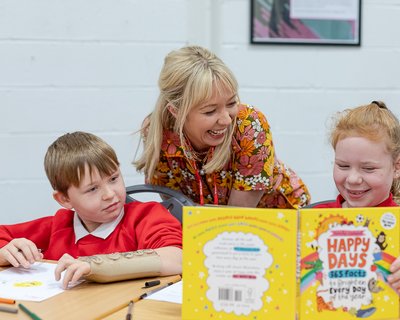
(229, 294)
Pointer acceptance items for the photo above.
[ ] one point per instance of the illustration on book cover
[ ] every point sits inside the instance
(345, 257)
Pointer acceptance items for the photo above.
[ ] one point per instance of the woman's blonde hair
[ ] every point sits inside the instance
(374, 122)
(186, 80)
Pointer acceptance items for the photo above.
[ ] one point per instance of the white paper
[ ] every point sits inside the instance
(172, 293)
(324, 9)
(36, 283)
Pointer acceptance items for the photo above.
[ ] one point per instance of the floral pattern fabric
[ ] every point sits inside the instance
(253, 166)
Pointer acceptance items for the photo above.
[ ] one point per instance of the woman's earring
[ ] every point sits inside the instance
(172, 109)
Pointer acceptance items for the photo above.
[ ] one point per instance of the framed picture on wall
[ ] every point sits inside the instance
(320, 22)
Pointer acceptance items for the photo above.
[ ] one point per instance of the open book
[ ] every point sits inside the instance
(245, 263)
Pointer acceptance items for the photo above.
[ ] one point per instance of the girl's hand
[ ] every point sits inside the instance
(74, 269)
(20, 252)
(394, 278)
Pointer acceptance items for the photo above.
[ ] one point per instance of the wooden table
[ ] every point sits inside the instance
(101, 301)
(150, 310)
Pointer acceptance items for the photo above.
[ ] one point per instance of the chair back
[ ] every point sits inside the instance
(312, 205)
(172, 200)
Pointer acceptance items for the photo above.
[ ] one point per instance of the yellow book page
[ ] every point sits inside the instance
(239, 263)
(345, 259)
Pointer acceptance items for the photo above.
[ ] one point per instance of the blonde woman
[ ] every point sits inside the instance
(201, 141)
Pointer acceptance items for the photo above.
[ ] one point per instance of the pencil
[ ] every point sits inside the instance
(28, 312)
(8, 301)
(135, 299)
(9, 310)
(129, 314)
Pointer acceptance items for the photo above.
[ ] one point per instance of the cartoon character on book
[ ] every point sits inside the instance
(380, 240)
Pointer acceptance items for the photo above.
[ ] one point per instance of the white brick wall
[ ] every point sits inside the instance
(92, 65)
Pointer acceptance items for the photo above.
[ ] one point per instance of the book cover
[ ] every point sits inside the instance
(345, 257)
(239, 263)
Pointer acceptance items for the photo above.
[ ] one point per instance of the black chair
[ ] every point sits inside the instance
(312, 205)
(171, 199)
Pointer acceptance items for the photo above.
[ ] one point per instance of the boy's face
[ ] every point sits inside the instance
(98, 199)
(363, 171)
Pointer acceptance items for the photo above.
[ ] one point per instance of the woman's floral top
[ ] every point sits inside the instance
(253, 166)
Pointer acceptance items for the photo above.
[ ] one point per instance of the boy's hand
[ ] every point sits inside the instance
(394, 278)
(74, 269)
(20, 252)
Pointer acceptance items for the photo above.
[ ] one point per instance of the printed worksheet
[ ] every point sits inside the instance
(172, 293)
(36, 283)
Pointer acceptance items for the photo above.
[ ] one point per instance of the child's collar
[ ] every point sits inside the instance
(102, 231)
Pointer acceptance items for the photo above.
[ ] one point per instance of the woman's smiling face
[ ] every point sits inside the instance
(207, 124)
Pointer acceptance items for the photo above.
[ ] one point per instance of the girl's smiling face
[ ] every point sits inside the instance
(207, 124)
(363, 171)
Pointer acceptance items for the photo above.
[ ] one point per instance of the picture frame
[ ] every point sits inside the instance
(323, 22)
